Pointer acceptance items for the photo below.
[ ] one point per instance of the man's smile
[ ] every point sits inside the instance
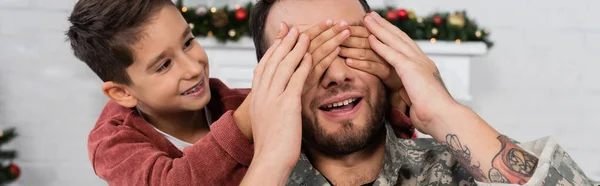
(344, 106)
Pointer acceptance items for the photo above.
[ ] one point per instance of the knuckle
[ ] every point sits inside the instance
(318, 41)
(362, 54)
(363, 43)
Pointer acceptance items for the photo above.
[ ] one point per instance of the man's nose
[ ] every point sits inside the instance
(338, 73)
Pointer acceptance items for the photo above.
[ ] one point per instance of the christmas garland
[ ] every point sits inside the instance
(227, 24)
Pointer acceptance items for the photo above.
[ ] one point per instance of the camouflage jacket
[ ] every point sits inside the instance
(423, 161)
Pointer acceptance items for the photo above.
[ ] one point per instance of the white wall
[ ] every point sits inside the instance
(538, 80)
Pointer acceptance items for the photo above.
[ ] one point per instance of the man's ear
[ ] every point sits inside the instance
(119, 94)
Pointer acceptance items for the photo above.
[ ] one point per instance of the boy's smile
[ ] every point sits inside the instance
(196, 90)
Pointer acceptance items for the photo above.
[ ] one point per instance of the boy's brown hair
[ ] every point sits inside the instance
(103, 31)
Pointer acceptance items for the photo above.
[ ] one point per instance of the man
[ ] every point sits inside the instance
(340, 118)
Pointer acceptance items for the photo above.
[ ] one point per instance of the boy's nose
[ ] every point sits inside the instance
(191, 68)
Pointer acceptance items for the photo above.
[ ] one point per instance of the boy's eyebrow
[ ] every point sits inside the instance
(155, 60)
(163, 54)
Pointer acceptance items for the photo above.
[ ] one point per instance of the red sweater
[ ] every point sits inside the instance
(126, 150)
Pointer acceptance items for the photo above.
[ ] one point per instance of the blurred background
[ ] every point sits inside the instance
(539, 79)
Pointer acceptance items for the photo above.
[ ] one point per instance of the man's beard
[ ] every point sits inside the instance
(350, 138)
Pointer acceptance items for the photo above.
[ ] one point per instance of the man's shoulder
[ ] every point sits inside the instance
(424, 161)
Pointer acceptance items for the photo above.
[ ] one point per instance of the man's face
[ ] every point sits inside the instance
(170, 69)
(342, 113)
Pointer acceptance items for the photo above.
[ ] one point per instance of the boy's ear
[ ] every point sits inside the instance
(119, 94)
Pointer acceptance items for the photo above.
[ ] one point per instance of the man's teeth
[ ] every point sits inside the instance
(341, 103)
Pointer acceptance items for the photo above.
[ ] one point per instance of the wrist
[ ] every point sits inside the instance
(241, 117)
(446, 116)
(277, 171)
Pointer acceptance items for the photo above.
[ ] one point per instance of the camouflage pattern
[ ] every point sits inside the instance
(423, 161)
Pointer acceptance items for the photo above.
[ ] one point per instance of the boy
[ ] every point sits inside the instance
(155, 128)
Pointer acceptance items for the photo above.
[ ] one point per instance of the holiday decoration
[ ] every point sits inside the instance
(220, 19)
(201, 10)
(9, 171)
(226, 24)
(437, 20)
(15, 171)
(241, 14)
(391, 15)
(411, 14)
(457, 20)
(402, 14)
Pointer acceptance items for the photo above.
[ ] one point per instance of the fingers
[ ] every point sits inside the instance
(298, 79)
(316, 30)
(389, 26)
(361, 54)
(357, 42)
(282, 50)
(329, 46)
(405, 98)
(326, 36)
(359, 31)
(283, 30)
(289, 64)
(395, 58)
(258, 71)
(387, 36)
(320, 68)
(378, 69)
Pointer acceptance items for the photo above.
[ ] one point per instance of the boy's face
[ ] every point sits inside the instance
(170, 69)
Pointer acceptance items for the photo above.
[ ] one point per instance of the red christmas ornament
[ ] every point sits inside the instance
(402, 14)
(391, 15)
(241, 14)
(15, 171)
(437, 20)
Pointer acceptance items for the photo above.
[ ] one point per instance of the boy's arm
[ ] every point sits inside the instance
(125, 156)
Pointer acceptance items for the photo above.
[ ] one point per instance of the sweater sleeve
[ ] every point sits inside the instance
(401, 124)
(122, 155)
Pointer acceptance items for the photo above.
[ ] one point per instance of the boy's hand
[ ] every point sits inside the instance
(425, 90)
(275, 108)
(359, 55)
(325, 39)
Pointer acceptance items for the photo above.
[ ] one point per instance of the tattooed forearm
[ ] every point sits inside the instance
(463, 156)
(511, 165)
(514, 163)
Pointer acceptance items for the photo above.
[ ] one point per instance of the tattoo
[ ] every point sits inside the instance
(438, 77)
(496, 176)
(463, 156)
(514, 163)
(511, 165)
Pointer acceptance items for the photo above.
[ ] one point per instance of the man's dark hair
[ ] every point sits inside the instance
(258, 19)
(103, 31)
